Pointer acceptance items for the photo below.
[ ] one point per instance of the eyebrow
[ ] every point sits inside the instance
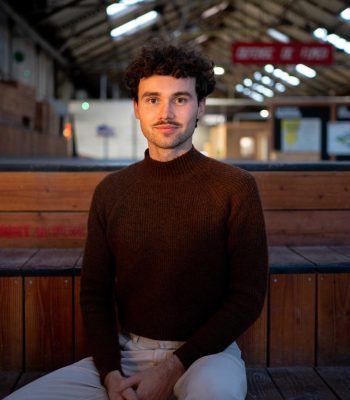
(176, 94)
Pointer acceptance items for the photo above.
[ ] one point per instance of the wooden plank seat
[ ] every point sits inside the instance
(305, 321)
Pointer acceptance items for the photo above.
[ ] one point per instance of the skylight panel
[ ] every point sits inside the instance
(275, 34)
(214, 10)
(320, 33)
(219, 70)
(305, 70)
(135, 24)
(345, 14)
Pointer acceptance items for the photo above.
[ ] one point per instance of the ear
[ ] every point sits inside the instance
(136, 109)
(201, 108)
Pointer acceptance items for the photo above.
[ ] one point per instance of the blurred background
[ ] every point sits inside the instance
(282, 68)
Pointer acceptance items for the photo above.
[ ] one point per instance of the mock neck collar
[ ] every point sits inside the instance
(177, 167)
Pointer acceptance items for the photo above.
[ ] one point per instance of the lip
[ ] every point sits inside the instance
(166, 127)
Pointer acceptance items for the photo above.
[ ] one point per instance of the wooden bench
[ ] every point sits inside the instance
(46, 205)
(305, 320)
(298, 347)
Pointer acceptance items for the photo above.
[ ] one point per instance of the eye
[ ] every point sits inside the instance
(181, 100)
(152, 100)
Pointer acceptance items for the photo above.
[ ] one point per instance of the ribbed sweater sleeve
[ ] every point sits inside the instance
(96, 295)
(176, 250)
(248, 261)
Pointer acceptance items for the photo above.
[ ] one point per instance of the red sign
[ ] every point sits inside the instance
(282, 53)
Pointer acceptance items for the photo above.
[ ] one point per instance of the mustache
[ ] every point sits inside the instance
(166, 122)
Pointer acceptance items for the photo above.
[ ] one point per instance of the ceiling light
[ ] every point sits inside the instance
(202, 38)
(263, 90)
(248, 82)
(336, 40)
(305, 70)
(293, 80)
(135, 24)
(120, 8)
(115, 9)
(257, 76)
(278, 73)
(239, 88)
(214, 10)
(256, 96)
(345, 14)
(266, 80)
(281, 37)
(280, 87)
(264, 113)
(219, 71)
(269, 68)
(320, 33)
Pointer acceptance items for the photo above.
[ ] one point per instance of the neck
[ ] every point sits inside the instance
(165, 155)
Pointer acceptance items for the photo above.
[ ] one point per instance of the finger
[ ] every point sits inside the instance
(131, 381)
(129, 394)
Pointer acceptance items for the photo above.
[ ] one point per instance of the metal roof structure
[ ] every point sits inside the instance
(77, 32)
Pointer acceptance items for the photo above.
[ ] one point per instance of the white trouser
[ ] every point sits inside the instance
(219, 376)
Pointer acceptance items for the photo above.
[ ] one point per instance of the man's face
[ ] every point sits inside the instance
(168, 109)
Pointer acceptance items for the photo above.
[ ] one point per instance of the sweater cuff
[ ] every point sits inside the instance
(105, 366)
(188, 354)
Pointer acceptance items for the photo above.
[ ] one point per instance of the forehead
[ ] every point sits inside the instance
(167, 85)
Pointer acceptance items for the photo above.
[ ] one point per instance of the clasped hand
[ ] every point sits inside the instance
(154, 383)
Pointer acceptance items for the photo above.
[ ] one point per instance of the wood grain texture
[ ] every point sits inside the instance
(43, 229)
(81, 348)
(14, 259)
(345, 250)
(308, 227)
(292, 319)
(333, 322)
(260, 385)
(70, 191)
(48, 322)
(300, 383)
(68, 229)
(56, 260)
(304, 190)
(323, 256)
(11, 323)
(253, 343)
(338, 378)
(282, 257)
(48, 191)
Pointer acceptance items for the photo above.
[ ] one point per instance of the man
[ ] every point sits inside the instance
(181, 240)
(175, 261)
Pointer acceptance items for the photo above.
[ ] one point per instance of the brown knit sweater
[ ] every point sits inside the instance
(178, 249)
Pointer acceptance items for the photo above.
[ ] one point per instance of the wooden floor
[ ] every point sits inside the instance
(299, 383)
(290, 383)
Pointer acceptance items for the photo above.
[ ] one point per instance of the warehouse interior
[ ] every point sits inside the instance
(62, 59)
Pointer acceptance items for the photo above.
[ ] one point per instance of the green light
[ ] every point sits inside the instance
(85, 106)
(27, 73)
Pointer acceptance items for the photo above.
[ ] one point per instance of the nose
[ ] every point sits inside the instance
(166, 110)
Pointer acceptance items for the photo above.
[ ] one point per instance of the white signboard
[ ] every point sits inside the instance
(301, 135)
(338, 138)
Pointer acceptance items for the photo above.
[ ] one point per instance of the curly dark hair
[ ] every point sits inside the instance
(161, 58)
